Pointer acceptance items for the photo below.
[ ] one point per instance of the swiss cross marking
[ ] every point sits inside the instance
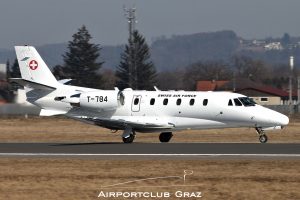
(33, 65)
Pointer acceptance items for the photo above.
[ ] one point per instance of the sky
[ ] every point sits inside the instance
(39, 22)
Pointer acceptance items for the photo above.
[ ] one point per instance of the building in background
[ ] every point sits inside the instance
(261, 94)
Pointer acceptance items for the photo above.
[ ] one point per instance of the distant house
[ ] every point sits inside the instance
(273, 46)
(261, 94)
(266, 95)
(210, 85)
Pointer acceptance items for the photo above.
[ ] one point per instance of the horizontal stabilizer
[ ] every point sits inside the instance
(65, 81)
(31, 84)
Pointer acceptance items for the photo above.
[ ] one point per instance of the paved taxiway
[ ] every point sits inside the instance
(150, 149)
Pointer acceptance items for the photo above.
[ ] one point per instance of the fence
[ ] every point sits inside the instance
(285, 109)
(19, 109)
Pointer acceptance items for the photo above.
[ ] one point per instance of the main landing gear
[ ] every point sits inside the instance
(262, 136)
(165, 136)
(128, 135)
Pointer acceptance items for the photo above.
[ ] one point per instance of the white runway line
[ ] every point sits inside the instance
(164, 155)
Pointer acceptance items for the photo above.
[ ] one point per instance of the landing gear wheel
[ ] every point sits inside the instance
(262, 136)
(128, 139)
(128, 135)
(263, 139)
(165, 136)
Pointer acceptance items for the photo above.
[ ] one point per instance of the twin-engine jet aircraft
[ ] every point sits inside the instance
(141, 111)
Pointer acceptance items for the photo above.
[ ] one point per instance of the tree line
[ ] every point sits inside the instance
(136, 70)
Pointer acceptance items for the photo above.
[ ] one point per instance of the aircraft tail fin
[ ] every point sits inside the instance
(33, 68)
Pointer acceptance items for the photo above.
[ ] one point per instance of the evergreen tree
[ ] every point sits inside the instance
(81, 60)
(135, 69)
(58, 72)
(7, 70)
(15, 70)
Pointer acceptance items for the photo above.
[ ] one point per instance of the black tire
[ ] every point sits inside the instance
(129, 139)
(263, 139)
(165, 136)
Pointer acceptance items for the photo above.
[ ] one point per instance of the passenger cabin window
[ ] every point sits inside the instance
(165, 102)
(230, 102)
(136, 101)
(192, 102)
(246, 101)
(178, 102)
(205, 102)
(237, 102)
(152, 101)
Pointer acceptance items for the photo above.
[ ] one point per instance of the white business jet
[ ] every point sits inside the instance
(141, 111)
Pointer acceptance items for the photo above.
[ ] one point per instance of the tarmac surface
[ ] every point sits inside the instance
(112, 150)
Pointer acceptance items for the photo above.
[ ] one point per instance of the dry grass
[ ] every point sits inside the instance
(67, 130)
(37, 178)
(84, 179)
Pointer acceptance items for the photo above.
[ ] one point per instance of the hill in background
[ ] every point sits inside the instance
(182, 50)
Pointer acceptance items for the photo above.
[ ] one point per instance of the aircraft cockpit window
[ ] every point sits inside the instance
(178, 102)
(192, 102)
(237, 102)
(247, 101)
(230, 102)
(205, 102)
(136, 101)
(152, 101)
(165, 102)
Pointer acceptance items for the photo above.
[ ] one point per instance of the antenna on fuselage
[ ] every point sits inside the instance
(156, 89)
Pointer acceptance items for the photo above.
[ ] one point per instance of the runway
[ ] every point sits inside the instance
(139, 150)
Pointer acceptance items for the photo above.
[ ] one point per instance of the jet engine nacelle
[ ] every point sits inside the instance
(100, 100)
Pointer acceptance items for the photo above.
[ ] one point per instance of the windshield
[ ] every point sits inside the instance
(246, 101)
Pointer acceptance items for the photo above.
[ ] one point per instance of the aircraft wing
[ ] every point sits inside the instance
(133, 122)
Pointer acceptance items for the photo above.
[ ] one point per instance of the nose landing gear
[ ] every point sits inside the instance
(262, 136)
(263, 139)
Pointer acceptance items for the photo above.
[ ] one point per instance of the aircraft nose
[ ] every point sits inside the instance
(267, 117)
(284, 120)
(280, 119)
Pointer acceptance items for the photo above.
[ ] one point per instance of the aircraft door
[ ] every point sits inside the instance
(136, 102)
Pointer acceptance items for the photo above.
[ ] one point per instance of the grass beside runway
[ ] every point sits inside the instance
(41, 178)
(50, 129)
(61, 178)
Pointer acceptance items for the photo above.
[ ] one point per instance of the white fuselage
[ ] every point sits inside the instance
(176, 110)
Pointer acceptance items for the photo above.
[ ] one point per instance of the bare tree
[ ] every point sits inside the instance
(205, 71)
